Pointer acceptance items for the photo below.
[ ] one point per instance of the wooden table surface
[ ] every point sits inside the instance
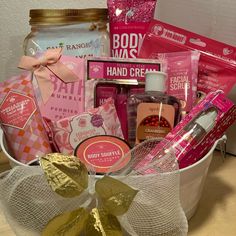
(216, 214)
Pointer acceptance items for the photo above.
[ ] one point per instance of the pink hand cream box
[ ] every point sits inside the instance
(117, 72)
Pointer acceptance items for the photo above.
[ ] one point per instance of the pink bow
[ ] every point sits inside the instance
(43, 66)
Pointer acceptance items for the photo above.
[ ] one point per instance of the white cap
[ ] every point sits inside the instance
(155, 81)
(207, 121)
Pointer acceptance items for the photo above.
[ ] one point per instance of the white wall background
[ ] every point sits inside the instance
(212, 18)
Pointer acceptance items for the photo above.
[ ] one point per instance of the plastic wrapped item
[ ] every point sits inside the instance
(182, 74)
(67, 133)
(154, 210)
(214, 19)
(21, 120)
(116, 71)
(217, 64)
(129, 22)
(116, 78)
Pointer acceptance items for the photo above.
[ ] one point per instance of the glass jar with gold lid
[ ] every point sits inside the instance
(80, 32)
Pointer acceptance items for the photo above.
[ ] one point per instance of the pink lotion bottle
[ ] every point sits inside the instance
(153, 113)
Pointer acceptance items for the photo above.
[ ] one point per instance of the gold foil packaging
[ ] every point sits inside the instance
(68, 177)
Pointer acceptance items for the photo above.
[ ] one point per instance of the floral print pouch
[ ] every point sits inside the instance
(71, 131)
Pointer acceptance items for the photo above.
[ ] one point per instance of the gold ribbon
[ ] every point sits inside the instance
(68, 177)
(43, 66)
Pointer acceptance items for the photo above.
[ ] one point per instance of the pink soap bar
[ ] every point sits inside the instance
(71, 131)
(21, 120)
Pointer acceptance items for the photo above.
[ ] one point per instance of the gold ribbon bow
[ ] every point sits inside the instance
(68, 177)
(43, 66)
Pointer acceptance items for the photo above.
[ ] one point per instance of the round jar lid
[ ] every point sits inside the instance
(67, 16)
(104, 153)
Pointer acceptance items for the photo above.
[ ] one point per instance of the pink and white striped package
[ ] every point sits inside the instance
(21, 120)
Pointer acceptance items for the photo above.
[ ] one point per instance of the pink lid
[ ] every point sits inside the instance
(102, 152)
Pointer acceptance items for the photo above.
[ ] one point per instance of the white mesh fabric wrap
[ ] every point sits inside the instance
(29, 203)
(156, 209)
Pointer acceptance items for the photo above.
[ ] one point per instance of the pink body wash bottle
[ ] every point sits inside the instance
(152, 114)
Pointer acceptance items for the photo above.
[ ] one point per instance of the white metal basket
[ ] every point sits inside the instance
(192, 178)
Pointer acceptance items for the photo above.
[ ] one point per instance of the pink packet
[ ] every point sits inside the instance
(217, 64)
(58, 83)
(21, 120)
(90, 87)
(69, 132)
(182, 74)
(129, 22)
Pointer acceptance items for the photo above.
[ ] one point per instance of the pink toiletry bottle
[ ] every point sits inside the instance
(152, 114)
(192, 135)
(103, 92)
(121, 108)
(184, 141)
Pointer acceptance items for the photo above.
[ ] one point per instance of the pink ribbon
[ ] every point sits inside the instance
(42, 68)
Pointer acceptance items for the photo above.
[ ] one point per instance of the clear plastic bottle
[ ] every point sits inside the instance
(80, 32)
(186, 139)
(152, 114)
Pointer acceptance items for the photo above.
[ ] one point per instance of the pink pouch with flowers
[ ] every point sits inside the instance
(21, 120)
(69, 132)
